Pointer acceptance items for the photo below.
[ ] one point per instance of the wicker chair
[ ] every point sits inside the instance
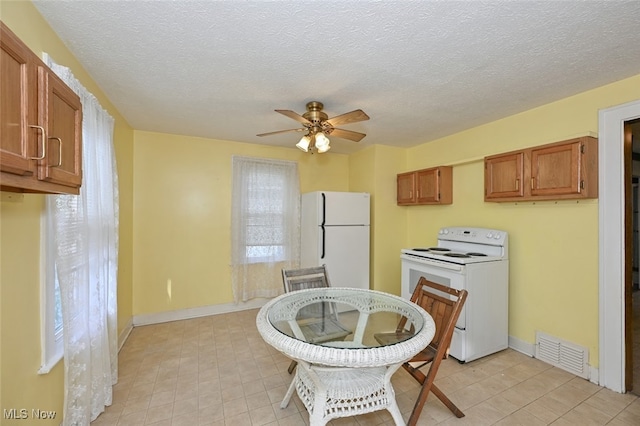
(321, 323)
(445, 312)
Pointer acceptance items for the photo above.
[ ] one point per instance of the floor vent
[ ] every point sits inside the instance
(562, 354)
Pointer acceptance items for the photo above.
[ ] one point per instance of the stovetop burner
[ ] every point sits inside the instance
(432, 249)
(476, 254)
(456, 255)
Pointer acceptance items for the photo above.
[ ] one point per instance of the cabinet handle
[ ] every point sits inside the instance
(517, 184)
(410, 194)
(533, 183)
(44, 145)
(59, 151)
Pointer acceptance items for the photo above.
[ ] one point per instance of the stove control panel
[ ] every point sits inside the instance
(475, 235)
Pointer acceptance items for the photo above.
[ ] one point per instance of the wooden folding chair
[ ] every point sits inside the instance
(444, 304)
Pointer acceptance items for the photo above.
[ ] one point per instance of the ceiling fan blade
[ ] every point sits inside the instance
(347, 134)
(349, 117)
(283, 131)
(295, 116)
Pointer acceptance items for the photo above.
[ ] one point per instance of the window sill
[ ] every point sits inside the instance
(53, 360)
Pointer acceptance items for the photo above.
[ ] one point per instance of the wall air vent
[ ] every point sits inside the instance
(562, 354)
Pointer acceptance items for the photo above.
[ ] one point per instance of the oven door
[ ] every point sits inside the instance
(447, 274)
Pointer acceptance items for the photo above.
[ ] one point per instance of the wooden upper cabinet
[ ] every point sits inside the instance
(406, 193)
(562, 170)
(426, 186)
(18, 107)
(556, 170)
(40, 124)
(61, 116)
(503, 176)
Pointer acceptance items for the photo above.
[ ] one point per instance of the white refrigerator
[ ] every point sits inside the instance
(335, 232)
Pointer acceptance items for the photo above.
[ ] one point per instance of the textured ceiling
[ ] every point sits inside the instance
(420, 69)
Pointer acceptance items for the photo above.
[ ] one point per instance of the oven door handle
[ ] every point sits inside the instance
(432, 262)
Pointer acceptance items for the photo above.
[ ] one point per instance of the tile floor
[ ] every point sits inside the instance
(218, 371)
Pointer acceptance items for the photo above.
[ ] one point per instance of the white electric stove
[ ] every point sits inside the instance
(475, 259)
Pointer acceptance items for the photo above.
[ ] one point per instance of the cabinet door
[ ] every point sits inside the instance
(18, 106)
(555, 170)
(406, 188)
(61, 116)
(428, 186)
(503, 176)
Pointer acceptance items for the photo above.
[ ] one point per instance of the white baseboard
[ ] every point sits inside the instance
(124, 334)
(522, 346)
(200, 311)
(594, 375)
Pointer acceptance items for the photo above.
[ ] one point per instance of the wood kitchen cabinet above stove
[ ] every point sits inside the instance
(426, 186)
(557, 171)
(40, 124)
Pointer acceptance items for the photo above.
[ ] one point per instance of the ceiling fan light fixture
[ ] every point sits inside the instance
(322, 142)
(304, 143)
(321, 150)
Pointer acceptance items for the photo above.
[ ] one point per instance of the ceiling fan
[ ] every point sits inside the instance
(318, 126)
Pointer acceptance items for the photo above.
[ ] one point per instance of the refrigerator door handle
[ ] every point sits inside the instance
(324, 211)
(323, 236)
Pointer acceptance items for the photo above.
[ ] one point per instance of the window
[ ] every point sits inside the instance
(265, 218)
(50, 301)
(265, 221)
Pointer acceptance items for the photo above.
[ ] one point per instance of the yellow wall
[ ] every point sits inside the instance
(21, 386)
(553, 245)
(182, 219)
(374, 170)
(183, 214)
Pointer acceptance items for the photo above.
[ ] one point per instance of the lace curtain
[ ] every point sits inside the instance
(85, 232)
(265, 225)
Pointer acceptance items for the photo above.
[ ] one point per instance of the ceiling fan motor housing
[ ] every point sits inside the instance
(315, 115)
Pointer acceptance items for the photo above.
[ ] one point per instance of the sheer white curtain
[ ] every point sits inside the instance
(85, 231)
(265, 225)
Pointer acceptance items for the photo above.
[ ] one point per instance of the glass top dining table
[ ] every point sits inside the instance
(290, 322)
(344, 373)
